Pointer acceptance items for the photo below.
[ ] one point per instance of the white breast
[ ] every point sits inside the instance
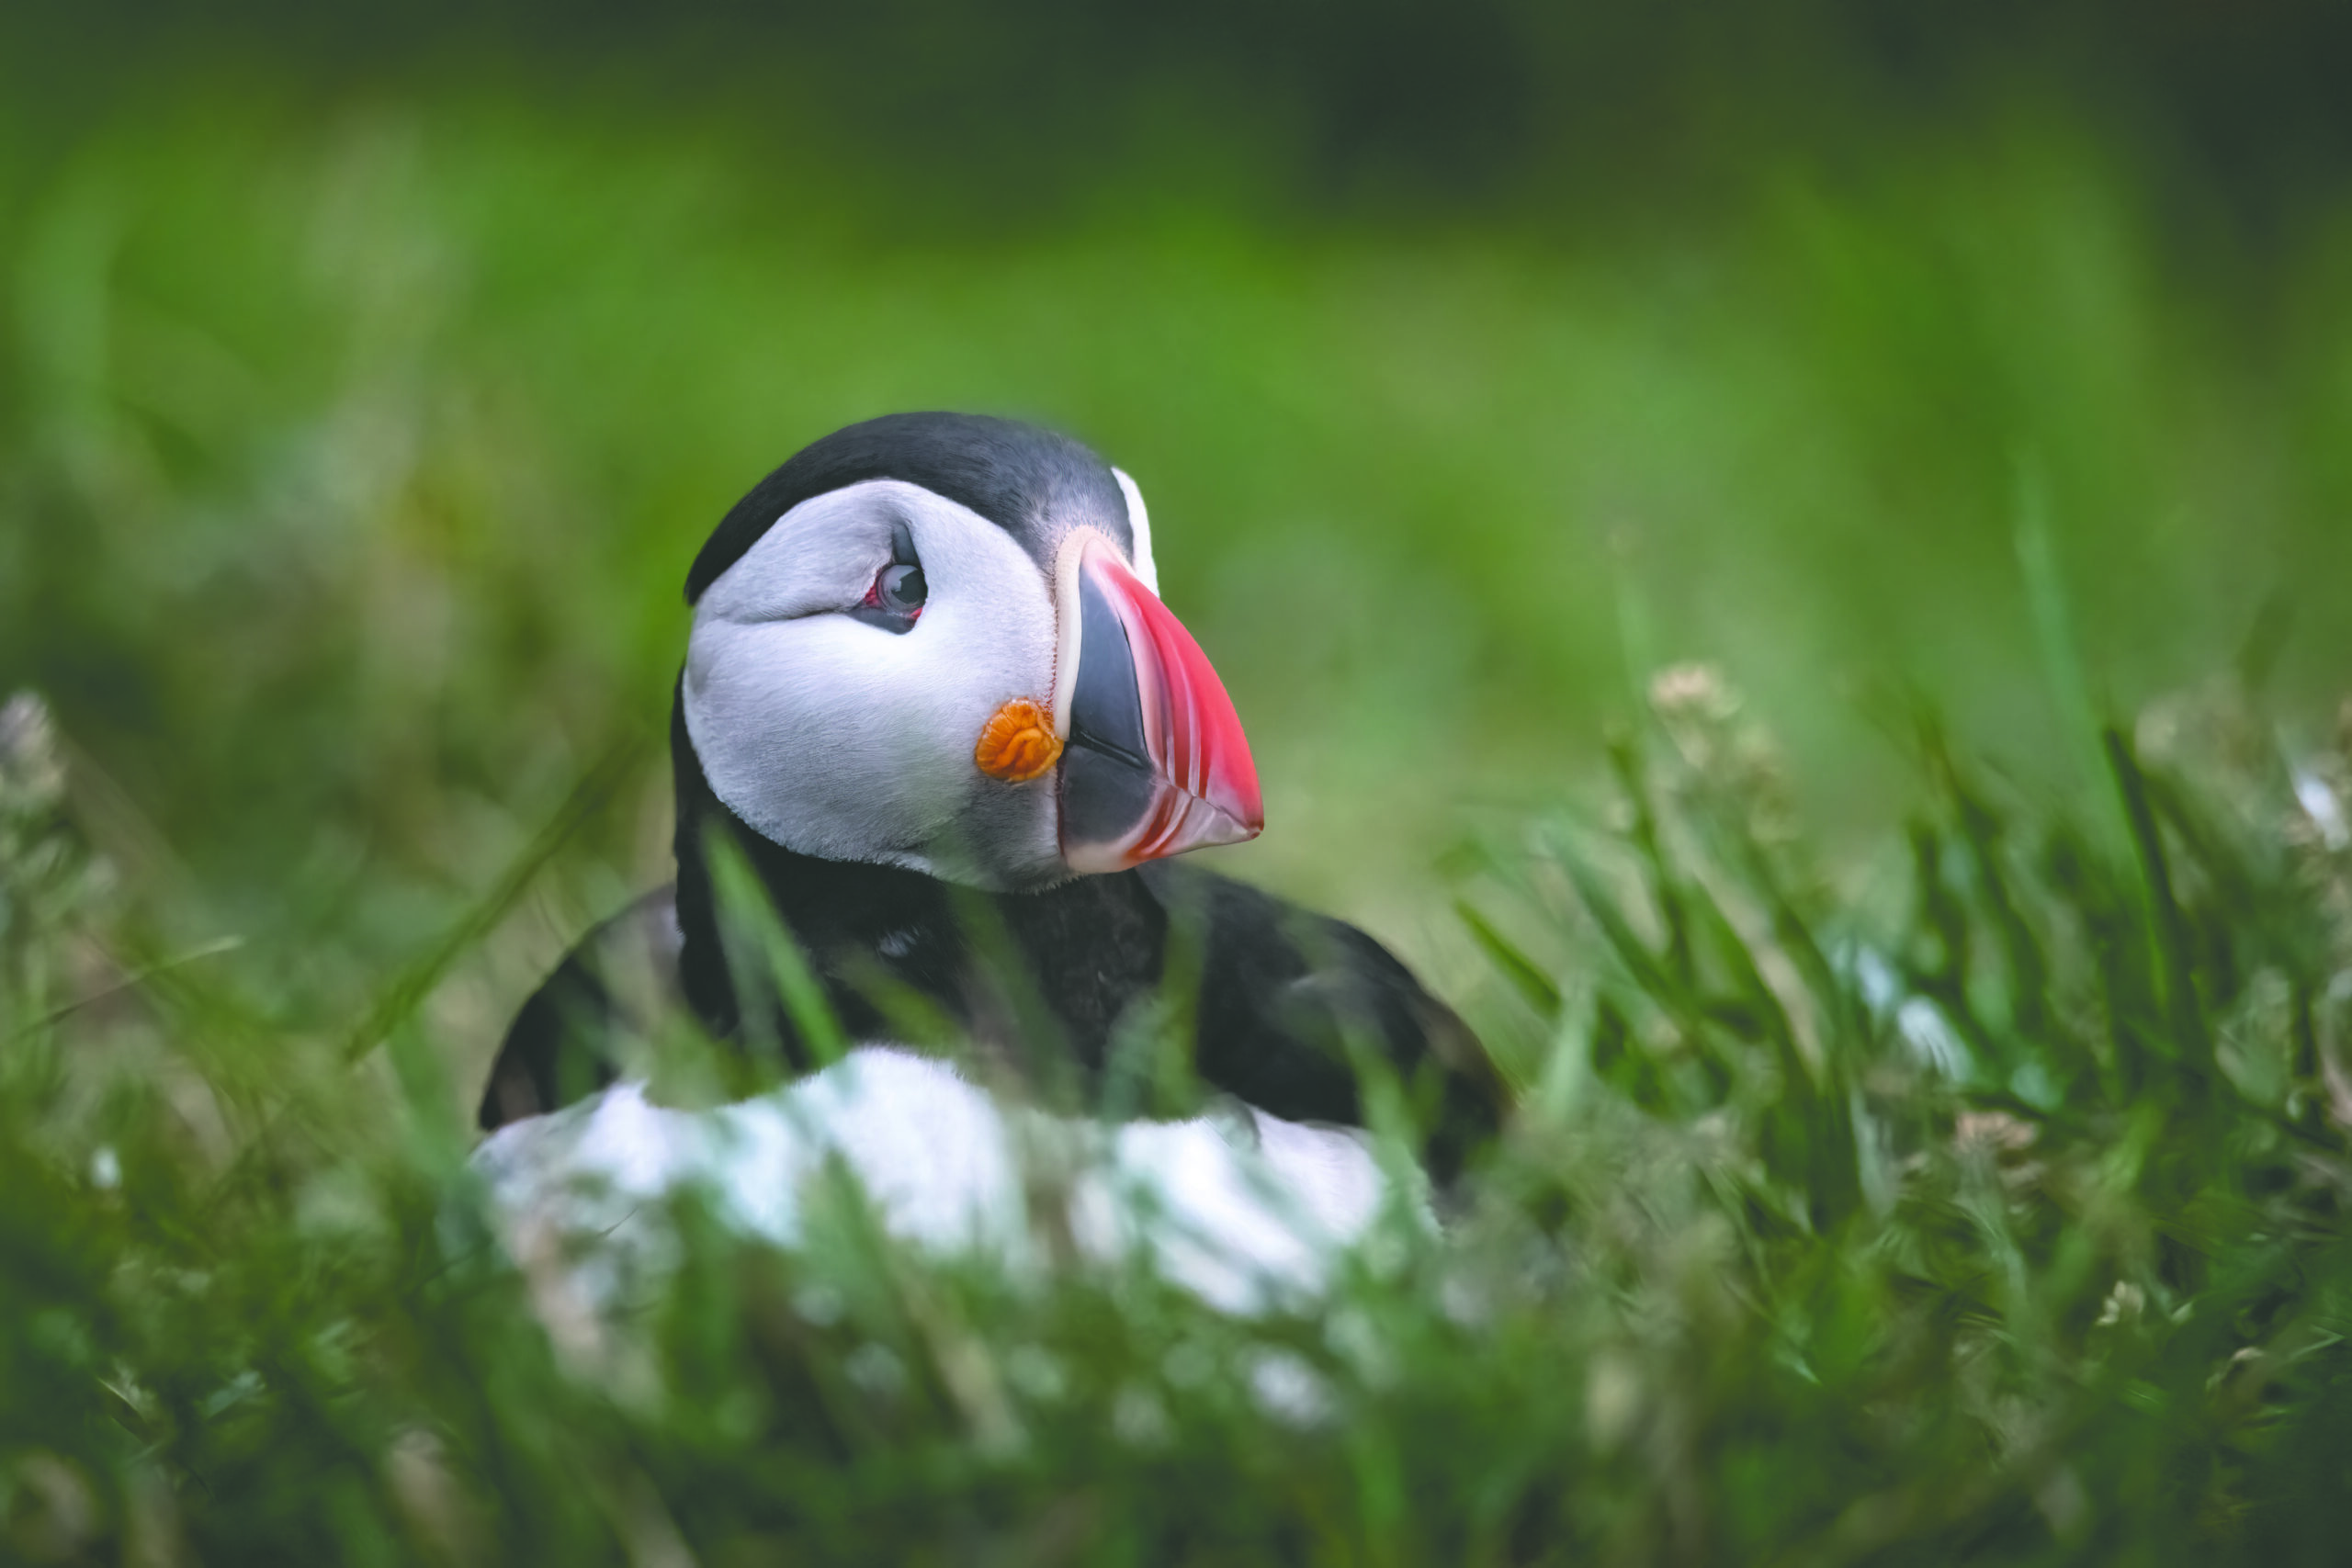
(1245, 1210)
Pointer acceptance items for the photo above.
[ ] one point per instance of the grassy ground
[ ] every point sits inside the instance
(1998, 1219)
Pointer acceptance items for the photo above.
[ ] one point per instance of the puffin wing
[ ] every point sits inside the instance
(1287, 997)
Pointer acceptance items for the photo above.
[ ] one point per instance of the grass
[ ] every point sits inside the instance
(1992, 1213)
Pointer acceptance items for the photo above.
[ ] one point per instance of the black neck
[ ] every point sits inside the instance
(1078, 954)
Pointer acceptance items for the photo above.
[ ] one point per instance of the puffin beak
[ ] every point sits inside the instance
(1153, 761)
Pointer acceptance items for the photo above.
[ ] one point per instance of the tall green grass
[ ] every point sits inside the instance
(1988, 1208)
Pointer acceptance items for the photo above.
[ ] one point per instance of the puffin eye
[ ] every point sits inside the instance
(896, 596)
(901, 588)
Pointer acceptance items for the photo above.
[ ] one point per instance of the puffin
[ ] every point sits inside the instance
(932, 704)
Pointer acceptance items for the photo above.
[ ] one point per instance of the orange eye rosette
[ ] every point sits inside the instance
(1018, 743)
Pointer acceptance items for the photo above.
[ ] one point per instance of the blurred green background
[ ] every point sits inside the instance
(370, 376)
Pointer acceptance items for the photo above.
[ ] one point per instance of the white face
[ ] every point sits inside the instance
(845, 740)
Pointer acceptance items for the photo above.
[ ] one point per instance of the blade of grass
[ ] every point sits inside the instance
(2176, 960)
(590, 795)
(1525, 975)
(2053, 623)
(752, 923)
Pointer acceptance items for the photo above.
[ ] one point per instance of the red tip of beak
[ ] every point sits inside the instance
(1204, 784)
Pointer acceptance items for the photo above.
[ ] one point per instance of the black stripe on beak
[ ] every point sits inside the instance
(1107, 772)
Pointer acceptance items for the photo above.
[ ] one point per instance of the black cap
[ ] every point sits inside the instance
(1018, 477)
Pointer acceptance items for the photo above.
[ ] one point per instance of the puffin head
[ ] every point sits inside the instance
(935, 641)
